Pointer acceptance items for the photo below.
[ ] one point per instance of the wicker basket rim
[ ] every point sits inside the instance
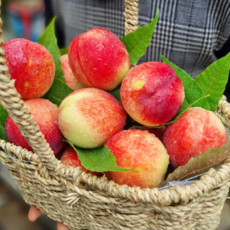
(175, 194)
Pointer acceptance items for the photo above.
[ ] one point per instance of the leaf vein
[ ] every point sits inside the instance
(54, 96)
(138, 43)
(198, 170)
(94, 161)
(215, 78)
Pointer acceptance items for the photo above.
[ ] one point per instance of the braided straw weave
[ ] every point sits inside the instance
(83, 201)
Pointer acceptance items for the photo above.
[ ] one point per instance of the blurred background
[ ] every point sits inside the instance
(25, 19)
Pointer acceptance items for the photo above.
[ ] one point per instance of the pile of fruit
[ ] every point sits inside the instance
(146, 128)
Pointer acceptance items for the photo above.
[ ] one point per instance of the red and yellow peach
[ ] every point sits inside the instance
(99, 59)
(88, 117)
(152, 94)
(142, 151)
(31, 66)
(158, 132)
(196, 131)
(70, 79)
(45, 114)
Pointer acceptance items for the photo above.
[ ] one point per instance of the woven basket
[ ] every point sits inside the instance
(83, 201)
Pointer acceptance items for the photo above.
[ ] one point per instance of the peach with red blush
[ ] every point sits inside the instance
(99, 59)
(88, 117)
(45, 114)
(142, 151)
(152, 94)
(31, 66)
(70, 79)
(196, 131)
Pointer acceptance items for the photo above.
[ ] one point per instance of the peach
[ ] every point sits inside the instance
(31, 66)
(196, 131)
(70, 79)
(158, 132)
(88, 117)
(45, 115)
(99, 59)
(71, 158)
(152, 94)
(140, 150)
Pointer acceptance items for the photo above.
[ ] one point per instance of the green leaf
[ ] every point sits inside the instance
(137, 41)
(193, 91)
(201, 163)
(49, 41)
(214, 79)
(98, 160)
(116, 93)
(184, 107)
(59, 90)
(64, 51)
(3, 116)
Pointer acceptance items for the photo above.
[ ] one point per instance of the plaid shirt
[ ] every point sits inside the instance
(190, 33)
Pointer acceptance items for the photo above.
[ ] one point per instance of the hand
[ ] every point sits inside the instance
(34, 213)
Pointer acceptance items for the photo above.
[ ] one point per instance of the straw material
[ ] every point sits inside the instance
(83, 201)
(131, 15)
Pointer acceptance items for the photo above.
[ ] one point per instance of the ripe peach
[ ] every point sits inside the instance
(88, 117)
(71, 158)
(158, 132)
(45, 115)
(70, 79)
(196, 131)
(142, 151)
(152, 94)
(31, 66)
(99, 59)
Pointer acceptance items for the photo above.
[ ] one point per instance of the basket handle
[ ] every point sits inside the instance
(12, 103)
(131, 15)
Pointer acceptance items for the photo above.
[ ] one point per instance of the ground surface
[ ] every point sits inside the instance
(13, 213)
